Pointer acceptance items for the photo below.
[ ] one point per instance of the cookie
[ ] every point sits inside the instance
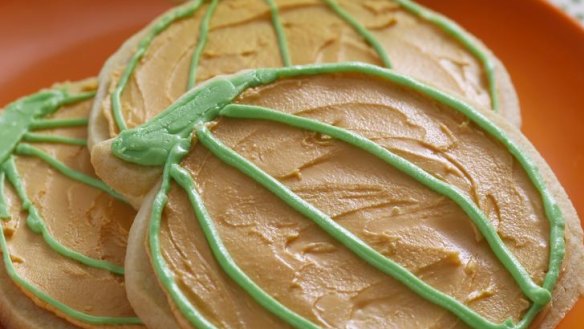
(202, 39)
(64, 232)
(345, 195)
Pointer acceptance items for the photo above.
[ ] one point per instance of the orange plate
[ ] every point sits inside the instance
(46, 41)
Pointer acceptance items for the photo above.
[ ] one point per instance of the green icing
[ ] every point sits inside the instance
(279, 28)
(362, 30)
(41, 124)
(16, 121)
(151, 143)
(202, 42)
(157, 142)
(42, 138)
(4, 211)
(157, 28)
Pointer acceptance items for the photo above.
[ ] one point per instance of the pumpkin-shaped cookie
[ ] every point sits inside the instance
(203, 39)
(345, 196)
(64, 232)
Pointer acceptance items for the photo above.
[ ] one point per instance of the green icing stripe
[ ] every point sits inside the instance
(76, 98)
(151, 144)
(362, 30)
(4, 212)
(163, 273)
(25, 149)
(464, 38)
(534, 292)
(279, 28)
(36, 224)
(202, 42)
(75, 314)
(58, 123)
(159, 27)
(183, 178)
(42, 138)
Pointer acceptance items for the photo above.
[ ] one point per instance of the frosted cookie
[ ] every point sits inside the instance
(345, 195)
(64, 232)
(203, 39)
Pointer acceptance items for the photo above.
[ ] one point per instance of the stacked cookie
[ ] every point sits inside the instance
(294, 163)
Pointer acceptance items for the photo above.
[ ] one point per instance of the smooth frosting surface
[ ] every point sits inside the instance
(308, 271)
(243, 35)
(80, 217)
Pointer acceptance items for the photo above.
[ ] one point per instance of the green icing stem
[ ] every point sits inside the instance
(227, 263)
(279, 28)
(157, 28)
(76, 98)
(36, 224)
(362, 30)
(41, 138)
(151, 143)
(25, 149)
(534, 292)
(202, 42)
(58, 123)
(154, 142)
(4, 213)
(75, 314)
(461, 36)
